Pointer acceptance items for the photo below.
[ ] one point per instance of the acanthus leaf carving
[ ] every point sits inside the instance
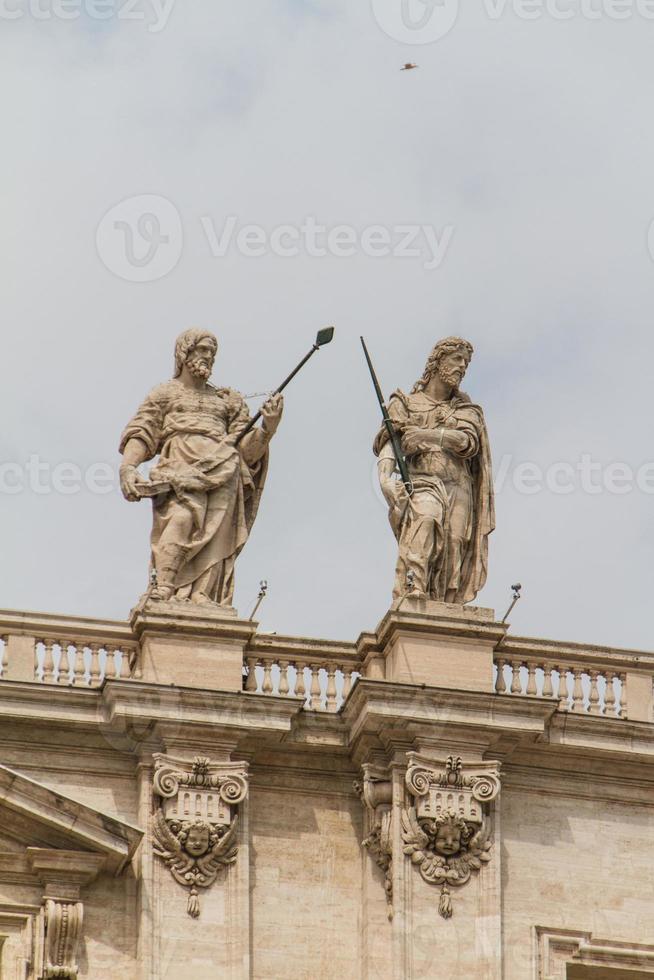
(195, 823)
(376, 794)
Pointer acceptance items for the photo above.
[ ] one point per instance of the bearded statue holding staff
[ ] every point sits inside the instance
(208, 480)
(442, 510)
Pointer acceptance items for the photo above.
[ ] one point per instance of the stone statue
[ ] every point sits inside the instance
(442, 528)
(205, 489)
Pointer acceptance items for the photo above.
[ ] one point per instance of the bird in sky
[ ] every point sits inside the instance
(408, 67)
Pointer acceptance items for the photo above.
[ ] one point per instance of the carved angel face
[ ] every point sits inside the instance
(198, 839)
(448, 839)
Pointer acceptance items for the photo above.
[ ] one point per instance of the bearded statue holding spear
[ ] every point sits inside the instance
(207, 483)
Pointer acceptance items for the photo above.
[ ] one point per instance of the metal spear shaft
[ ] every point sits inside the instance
(324, 337)
(390, 428)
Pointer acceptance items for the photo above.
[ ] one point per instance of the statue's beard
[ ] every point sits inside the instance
(199, 368)
(450, 376)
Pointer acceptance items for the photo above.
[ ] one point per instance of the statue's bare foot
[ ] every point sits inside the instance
(202, 599)
(163, 593)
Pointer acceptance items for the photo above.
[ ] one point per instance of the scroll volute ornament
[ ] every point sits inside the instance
(195, 824)
(447, 829)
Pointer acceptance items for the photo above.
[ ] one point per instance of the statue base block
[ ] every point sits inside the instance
(437, 644)
(191, 646)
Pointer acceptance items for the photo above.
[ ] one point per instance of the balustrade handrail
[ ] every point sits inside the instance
(573, 654)
(309, 652)
(48, 626)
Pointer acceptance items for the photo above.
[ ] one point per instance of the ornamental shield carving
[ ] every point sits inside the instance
(195, 823)
(447, 829)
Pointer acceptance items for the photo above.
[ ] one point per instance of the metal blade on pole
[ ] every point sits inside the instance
(324, 337)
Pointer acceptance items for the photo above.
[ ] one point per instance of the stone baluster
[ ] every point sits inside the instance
(516, 682)
(316, 694)
(3, 655)
(330, 700)
(47, 676)
(63, 675)
(94, 678)
(283, 678)
(251, 681)
(594, 697)
(125, 664)
(300, 686)
(110, 671)
(78, 664)
(623, 695)
(563, 695)
(548, 687)
(267, 686)
(609, 695)
(531, 679)
(577, 691)
(500, 682)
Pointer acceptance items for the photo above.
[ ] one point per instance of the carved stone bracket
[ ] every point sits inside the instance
(446, 828)
(376, 792)
(195, 823)
(63, 874)
(63, 931)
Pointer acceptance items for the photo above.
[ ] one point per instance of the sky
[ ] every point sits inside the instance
(167, 166)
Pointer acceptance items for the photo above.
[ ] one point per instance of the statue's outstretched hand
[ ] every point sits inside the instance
(272, 412)
(129, 480)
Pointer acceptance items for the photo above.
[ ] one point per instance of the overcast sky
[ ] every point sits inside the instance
(524, 146)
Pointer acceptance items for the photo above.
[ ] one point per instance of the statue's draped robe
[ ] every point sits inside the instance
(442, 529)
(208, 477)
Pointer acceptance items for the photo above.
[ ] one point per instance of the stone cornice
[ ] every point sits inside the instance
(502, 724)
(37, 815)
(125, 701)
(64, 872)
(577, 778)
(375, 704)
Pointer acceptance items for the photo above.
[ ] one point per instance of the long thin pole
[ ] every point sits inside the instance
(390, 428)
(253, 421)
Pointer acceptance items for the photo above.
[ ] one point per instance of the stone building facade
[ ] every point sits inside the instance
(182, 796)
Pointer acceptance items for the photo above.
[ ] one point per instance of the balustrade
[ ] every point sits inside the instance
(320, 685)
(77, 663)
(65, 652)
(594, 689)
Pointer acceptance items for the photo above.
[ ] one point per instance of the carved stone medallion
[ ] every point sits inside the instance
(195, 823)
(446, 830)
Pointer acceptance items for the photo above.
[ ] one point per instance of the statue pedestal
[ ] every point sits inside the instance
(191, 646)
(433, 643)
